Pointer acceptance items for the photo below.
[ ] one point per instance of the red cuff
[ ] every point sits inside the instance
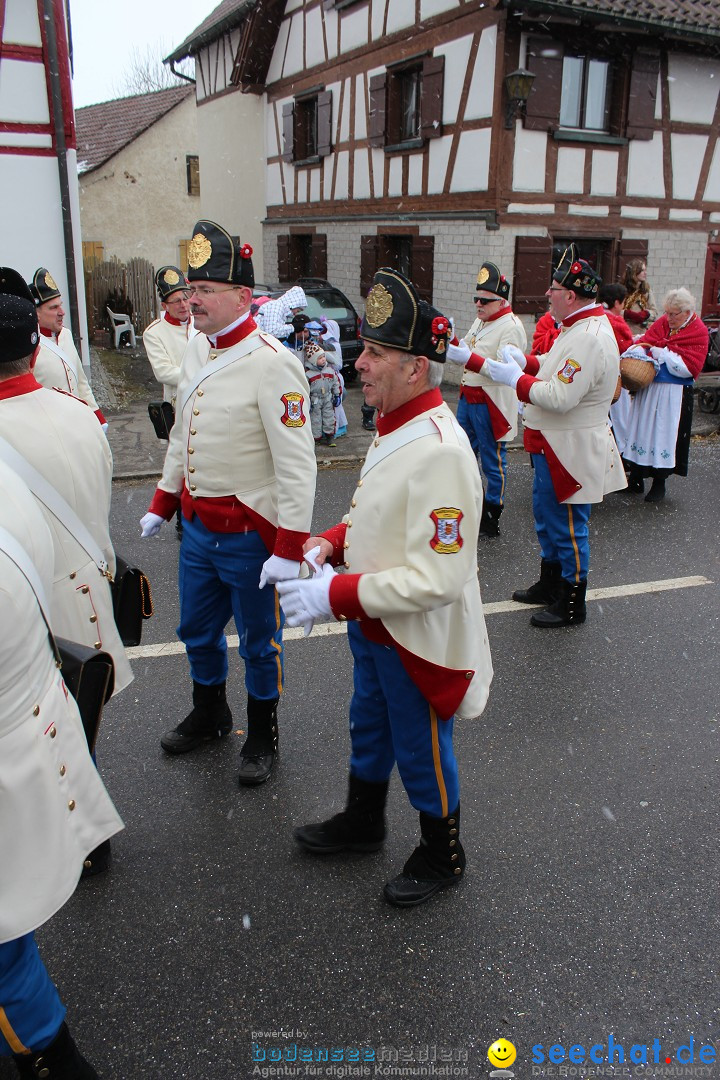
(475, 362)
(533, 365)
(524, 385)
(344, 599)
(336, 536)
(289, 544)
(101, 418)
(164, 504)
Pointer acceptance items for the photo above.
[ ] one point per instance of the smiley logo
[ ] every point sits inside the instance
(502, 1053)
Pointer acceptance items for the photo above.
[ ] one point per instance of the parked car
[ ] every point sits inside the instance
(326, 300)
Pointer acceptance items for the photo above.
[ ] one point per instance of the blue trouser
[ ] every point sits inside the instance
(475, 422)
(219, 575)
(30, 1008)
(562, 528)
(390, 721)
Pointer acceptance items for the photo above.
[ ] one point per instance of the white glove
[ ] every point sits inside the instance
(637, 352)
(151, 524)
(306, 601)
(510, 354)
(674, 363)
(460, 353)
(105, 426)
(509, 374)
(277, 569)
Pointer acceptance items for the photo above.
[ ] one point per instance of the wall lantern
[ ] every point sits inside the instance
(517, 87)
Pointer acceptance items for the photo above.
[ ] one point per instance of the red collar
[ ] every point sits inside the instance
(431, 399)
(173, 321)
(586, 313)
(19, 384)
(499, 314)
(224, 341)
(46, 333)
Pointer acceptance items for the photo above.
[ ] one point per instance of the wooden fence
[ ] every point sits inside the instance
(123, 287)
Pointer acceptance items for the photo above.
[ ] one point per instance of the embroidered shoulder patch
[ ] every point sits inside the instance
(569, 371)
(293, 415)
(447, 539)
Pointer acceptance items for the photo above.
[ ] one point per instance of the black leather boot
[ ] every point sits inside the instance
(360, 826)
(368, 412)
(61, 1060)
(98, 861)
(568, 609)
(657, 490)
(438, 862)
(490, 518)
(257, 756)
(210, 719)
(546, 589)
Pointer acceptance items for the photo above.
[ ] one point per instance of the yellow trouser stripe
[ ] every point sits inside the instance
(502, 471)
(276, 646)
(11, 1038)
(436, 762)
(571, 530)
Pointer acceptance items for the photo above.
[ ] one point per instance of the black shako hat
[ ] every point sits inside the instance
(18, 319)
(576, 274)
(396, 316)
(170, 279)
(215, 255)
(490, 279)
(43, 286)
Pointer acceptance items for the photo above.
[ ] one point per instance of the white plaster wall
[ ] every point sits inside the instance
(361, 180)
(472, 162)
(354, 27)
(331, 16)
(401, 14)
(645, 167)
(712, 190)
(277, 63)
(314, 40)
(415, 172)
(273, 129)
(345, 117)
(360, 108)
(377, 158)
(693, 82)
(294, 52)
(328, 164)
(23, 93)
(480, 97)
(21, 24)
(428, 8)
(604, 172)
(341, 176)
(274, 185)
(456, 55)
(438, 154)
(529, 160)
(570, 170)
(395, 177)
(687, 157)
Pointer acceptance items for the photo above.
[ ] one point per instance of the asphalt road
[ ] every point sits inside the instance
(589, 817)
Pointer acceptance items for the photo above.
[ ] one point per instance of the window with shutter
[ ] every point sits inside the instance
(533, 270)
(406, 104)
(192, 162)
(307, 128)
(545, 60)
(711, 288)
(378, 109)
(643, 93)
(626, 252)
(319, 256)
(431, 101)
(369, 247)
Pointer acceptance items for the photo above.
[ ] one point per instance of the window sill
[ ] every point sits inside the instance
(576, 135)
(309, 161)
(409, 144)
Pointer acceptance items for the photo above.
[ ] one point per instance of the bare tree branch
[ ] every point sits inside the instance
(146, 72)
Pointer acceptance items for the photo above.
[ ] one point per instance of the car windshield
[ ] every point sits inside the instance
(329, 303)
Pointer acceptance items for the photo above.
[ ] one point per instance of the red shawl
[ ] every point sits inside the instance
(690, 343)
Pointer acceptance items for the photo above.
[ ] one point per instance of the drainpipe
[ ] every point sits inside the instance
(179, 74)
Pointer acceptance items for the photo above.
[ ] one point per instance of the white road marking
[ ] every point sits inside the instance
(174, 648)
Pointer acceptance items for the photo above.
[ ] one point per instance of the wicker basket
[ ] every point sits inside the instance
(636, 374)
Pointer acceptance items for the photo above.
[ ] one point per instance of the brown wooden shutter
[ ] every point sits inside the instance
(324, 123)
(378, 108)
(533, 270)
(431, 101)
(318, 251)
(627, 250)
(711, 289)
(288, 131)
(368, 262)
(283, 255)
(423, 266)
(643, 92)
(545, 60)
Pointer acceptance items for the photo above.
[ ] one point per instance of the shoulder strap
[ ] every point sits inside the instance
(43, 490)
(397, 439)
(18, 555)
(52, 345)
(236, 352)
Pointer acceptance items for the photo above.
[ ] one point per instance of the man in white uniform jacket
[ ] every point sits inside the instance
(410, 594)
(53, 806)
(166, 338)
(58, 364)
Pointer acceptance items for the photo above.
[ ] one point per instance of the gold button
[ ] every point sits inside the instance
(193, 487)
(42, 1069)
(190, 450)
(36, 710)
(468, 674)
(71, 804)
(453, 843)
(349, 523)
(73, 575)
(346, 565)
(85, 589)
(87, 864)
(191, 468)
(457, 870)
(63, 770)
(200, 393)
(196, 412)
(377, 442)
(193, 431)
(98, 645)
(93, 618)
(353, 504)
(453, 857)
(212, 356)
(359, 483)
(53, 732)
(451, 821)
(346, 545)
(453, 832)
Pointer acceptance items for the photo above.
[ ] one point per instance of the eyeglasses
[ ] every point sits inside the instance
(484, 300)
(203, 291)
(554, 288)
(180, 300)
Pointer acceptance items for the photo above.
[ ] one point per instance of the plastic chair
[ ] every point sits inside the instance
(121, 324)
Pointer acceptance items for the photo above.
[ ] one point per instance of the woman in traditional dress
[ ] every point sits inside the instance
(658, 431)
(639, 303)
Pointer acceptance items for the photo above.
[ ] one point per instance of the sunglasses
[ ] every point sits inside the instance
(484, 300)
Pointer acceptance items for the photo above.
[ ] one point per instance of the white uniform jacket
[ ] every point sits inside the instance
(165, 343)
(486, 338)
(409, 548)
(58, 365)
(568, 403)
(61, 438)
(54, 809)
(244, 430)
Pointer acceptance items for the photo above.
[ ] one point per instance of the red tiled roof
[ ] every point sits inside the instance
(227, 14)
(696, 16)
(104, 129)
